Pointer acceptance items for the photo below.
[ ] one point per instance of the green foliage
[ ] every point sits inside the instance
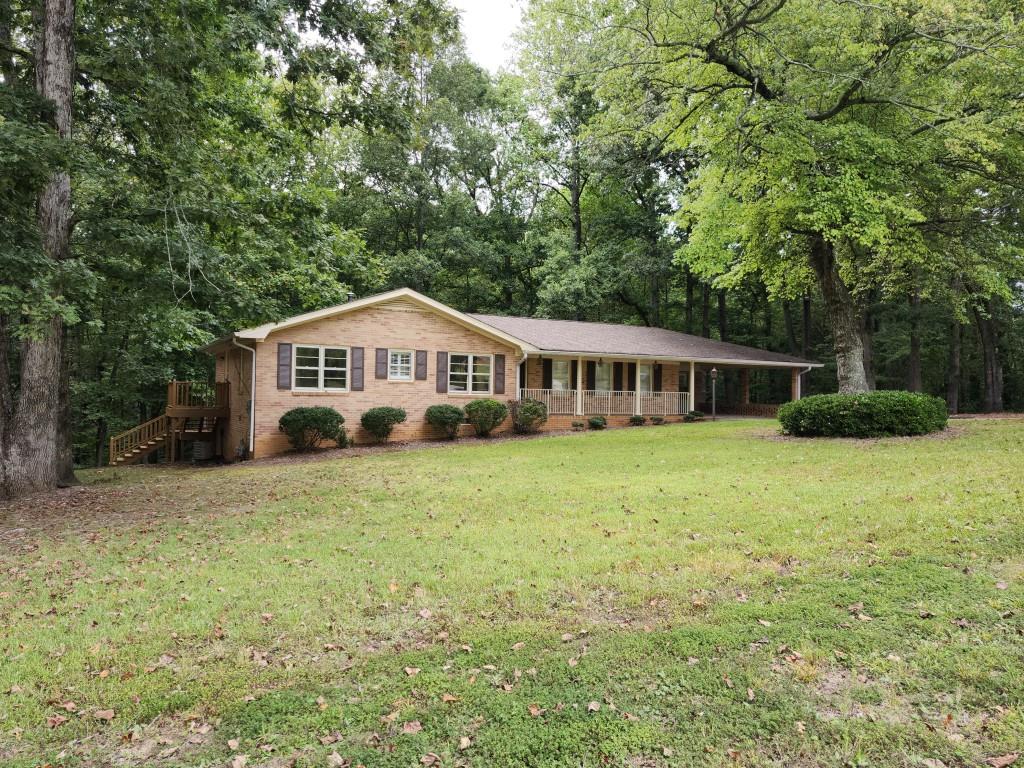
(307, 427)
(528, 415)
(597, 422)
(873, 414)
(447, 418)
(579, 426)
(637, 421)
(657, 420)
(486, 415)
(380, 421)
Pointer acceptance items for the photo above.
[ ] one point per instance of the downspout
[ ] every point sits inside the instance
(800, 379)
(252, 393)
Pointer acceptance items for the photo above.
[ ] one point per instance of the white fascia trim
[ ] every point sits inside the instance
(673, 359)
(260, 332)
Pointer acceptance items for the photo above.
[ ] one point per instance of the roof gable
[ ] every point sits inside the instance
(397, 299)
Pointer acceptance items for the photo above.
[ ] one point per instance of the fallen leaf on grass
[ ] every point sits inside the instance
(430, 759)
(1003, 761)
(764, 622)
(750, 694)
(233, 744)
(425, 613)
(518, 646)
(593, 706)
(573, 661)
(465, 743)
(239, 761)
(536, 710)
(1001, 585)
(412, 671)
(55, 720)
(334, 760)
(447, 698)
(104, 714)
(413, 726)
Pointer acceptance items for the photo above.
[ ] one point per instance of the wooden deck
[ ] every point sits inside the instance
(195, 412)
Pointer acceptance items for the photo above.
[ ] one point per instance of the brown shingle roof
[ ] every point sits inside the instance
(612, 339)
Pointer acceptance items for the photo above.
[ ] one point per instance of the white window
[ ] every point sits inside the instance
(644, 377)
(319, 368)
(603, 377)
(399, 365)
(561, 375)
(469, 373)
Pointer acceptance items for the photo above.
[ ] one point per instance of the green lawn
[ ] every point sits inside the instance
(703, 594)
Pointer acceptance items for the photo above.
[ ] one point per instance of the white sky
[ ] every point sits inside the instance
(488, 26)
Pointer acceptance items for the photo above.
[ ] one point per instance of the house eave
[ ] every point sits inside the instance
(739, 362)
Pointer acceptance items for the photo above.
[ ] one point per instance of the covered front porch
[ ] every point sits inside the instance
(603, 386)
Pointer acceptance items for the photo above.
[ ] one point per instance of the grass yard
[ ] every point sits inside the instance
(703, 594)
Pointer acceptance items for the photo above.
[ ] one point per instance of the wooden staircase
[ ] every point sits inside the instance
(194, 412)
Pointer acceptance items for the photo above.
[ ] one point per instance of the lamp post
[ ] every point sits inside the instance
(714, 391)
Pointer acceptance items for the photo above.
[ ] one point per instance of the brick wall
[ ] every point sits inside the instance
(397, 324)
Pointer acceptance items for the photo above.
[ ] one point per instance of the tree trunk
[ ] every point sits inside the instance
(914, 378)
(689, 300)
(723, 327)
(805, 344)
(705, 309)
(992, 380)
(953, 371)
(844, 316)
(34, 444)
(787, 320)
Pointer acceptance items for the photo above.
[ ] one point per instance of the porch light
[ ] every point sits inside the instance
(714, 388)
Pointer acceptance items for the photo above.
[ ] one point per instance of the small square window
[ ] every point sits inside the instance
(399, 365)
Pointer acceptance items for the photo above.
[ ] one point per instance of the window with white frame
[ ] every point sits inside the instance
(320, 368)
(644, 377)
(469, 373)
(603, 377)
(561, 375)
(399, 365)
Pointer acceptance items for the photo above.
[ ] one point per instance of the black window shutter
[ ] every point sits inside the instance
(499, 375)
(617, 377)
(284, 366)
(421, 364)
(574, 374)
(631, 375)
(656, 385)
(357, 369)
(591, 374)
(442, 372)
(381, 370)
(545, 382)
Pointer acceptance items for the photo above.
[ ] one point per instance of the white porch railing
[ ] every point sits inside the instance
(563, 402)
(560, 402)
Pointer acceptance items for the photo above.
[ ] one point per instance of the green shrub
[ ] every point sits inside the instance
(447, 418)
(342, 438)
(578, 426)
(380, 421)
(637, 421)
(528, 415)
(871, 414)
(657, 419)
(485, 415)
(697, 415)
(307, 427)
(597, 422)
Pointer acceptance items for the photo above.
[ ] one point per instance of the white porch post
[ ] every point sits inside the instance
(636, 390)
(579, 386)
(519, 383)
(690, 405)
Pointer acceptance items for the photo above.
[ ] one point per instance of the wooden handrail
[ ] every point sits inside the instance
(194, 394)
(141, 435)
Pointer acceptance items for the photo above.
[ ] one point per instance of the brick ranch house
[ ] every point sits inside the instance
(404, 349)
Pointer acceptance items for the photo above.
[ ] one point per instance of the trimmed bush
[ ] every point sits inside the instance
(578, 426)
(871, 414)
(694, 416)
(657, 420)
(380, 421)
(307, 427)
(486, 415)
(528, 415)
(637, 421)
(447, 418)
(597, 422)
